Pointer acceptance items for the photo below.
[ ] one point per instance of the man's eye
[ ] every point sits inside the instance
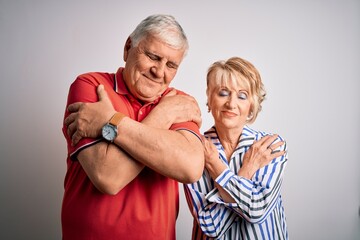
(243, 96)
(152, 57)
(223, 93)
(172, 65)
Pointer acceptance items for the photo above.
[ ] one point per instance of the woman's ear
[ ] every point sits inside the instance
(208, 107)
(127, 48)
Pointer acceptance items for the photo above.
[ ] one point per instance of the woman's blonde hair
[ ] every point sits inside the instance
(238, 71)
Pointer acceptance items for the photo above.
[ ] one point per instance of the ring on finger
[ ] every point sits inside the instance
(272, 150)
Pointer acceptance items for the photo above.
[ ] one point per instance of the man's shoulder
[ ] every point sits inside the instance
(91, 76)
(179, 92)
(83, 88)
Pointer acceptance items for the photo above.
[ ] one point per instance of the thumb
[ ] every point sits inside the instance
(102, 94)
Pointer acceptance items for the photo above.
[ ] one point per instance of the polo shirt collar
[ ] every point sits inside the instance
(119, 84)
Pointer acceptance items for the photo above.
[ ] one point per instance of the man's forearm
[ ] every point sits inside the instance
(108, 167)
(176, 154)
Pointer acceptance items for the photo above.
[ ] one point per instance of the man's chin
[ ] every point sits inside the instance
(147, 97)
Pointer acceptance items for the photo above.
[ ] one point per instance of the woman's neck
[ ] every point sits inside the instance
(229, 139)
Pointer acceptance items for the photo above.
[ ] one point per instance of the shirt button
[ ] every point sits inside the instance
(140, 112)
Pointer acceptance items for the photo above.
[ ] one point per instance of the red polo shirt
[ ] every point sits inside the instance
(146, 208)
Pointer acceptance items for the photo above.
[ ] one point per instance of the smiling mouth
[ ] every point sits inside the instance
(152, 80)
(229, 114)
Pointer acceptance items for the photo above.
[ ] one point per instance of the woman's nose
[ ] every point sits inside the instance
(231, 103)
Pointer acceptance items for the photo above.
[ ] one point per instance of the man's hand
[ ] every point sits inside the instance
(260, 154)
(174, 108)
(87, 119)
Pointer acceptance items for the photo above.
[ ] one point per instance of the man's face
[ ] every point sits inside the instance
(150, 67)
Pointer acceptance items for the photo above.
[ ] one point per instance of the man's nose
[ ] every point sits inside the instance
(159, 70)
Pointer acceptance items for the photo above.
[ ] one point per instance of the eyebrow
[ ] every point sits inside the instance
(222, 87)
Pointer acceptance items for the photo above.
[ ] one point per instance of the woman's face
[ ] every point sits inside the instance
(230, 105)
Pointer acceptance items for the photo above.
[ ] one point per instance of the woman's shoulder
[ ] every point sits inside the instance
(211, 132)
(259, 134)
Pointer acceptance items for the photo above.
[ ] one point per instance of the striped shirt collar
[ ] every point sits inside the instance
(247, 138)
(246, 134)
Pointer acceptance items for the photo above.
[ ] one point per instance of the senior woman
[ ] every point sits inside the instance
(238, 195)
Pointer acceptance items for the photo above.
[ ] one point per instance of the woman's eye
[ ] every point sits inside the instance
(243, 96)
(223, 93)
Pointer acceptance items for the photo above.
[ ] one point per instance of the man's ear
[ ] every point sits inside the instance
(127, 48)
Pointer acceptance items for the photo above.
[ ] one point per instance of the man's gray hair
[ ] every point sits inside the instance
(164, 27)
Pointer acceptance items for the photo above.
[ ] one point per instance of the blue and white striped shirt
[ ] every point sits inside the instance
(258, 212)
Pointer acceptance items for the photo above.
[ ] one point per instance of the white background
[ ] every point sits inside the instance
(307, 52)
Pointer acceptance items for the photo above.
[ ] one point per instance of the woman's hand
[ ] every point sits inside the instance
(215, 167)
(259, 155)
(212, 161)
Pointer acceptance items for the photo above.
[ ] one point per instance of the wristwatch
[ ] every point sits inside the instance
(109, 130)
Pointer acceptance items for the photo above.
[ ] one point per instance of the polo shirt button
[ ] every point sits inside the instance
(140, 112)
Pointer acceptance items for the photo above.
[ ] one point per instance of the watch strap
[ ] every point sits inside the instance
(116, 118)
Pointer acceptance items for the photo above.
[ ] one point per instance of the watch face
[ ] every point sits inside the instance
(109, 132)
